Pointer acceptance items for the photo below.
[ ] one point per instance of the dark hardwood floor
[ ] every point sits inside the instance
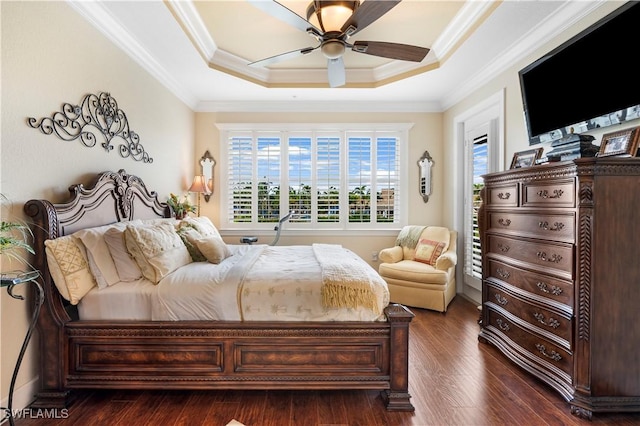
(454, 380)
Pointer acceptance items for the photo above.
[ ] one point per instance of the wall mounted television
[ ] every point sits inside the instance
(587, 82)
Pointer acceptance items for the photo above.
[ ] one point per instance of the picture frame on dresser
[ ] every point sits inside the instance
(526, 158)
(621, 142)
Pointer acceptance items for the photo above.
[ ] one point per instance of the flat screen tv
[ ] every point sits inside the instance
(590, 75)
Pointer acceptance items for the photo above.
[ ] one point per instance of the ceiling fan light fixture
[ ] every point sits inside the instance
(330, 15)
(332, 49)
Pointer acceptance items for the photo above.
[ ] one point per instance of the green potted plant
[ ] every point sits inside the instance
(179, 206)
(15, 237)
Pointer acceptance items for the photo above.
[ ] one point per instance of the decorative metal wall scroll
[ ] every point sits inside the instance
(97, 114)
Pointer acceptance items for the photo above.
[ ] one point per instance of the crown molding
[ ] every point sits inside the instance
(318, 106)
(96, 14)
(216, 58)
(569, 14)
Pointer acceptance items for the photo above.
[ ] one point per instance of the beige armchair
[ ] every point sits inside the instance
(420, 269)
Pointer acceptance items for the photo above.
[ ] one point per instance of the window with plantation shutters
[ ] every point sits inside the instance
(338, 178)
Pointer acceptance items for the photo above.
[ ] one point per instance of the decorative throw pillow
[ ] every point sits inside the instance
(157, 249)
(203, 225)
(213, 248)
(69, 268)
(428, 251)
(128, 269)
(189, 236)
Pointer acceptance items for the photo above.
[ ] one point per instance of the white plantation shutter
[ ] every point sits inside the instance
(268, 159)
(387, 183)
(300, 194)
(328, 178)
(359, 178)
(480, 160)
(240, 187)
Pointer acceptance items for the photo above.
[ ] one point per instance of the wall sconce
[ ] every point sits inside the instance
(199, 185)
(425, 163)
(207, 163)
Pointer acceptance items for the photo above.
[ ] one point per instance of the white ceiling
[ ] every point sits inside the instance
(200, 50)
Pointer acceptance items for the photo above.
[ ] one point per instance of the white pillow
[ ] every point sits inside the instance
(128, 269)
(69, 268)
(100, 261)
(157, 249)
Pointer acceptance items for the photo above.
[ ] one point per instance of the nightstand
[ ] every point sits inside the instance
(10, 280)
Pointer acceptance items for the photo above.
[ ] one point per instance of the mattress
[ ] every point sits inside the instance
(255, 283)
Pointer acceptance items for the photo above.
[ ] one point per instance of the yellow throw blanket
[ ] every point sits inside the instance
(347, 280)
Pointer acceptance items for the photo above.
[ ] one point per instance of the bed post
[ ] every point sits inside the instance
(397, 396)
(53, 315)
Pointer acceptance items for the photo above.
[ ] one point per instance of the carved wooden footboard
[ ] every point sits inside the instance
(198, 354)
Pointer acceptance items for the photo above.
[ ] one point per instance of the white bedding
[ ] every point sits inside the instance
(256, 283)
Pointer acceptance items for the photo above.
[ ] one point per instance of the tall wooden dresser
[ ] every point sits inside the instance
(561, 277)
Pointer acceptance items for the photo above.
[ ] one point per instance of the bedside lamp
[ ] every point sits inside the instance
(199, 185)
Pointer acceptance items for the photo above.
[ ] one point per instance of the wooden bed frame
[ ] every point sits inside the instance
(197, 354)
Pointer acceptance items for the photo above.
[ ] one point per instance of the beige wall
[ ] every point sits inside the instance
(51, 55)
(426, 134)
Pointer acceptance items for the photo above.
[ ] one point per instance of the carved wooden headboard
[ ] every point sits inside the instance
(112, 197)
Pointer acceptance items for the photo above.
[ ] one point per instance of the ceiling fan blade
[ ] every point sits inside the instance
(337, 73)
(368, 12)
(283, 57)
(284, 14)
(404, 52)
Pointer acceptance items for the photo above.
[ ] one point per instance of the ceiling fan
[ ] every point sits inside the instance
(331, 23)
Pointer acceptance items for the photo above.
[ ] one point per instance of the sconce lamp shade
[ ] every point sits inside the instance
(199, 185)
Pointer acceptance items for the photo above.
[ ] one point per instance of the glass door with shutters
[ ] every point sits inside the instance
(477, 164)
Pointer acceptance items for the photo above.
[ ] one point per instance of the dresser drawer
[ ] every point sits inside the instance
(506, 195)
(554, 258)
(540, 349)
(557, 326)
(556, 227)
(549, 194)
(556, 291)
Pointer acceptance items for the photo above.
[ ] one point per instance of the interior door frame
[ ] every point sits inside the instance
(490, 112)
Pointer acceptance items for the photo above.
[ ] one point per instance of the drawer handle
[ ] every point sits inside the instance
(502, 325)
(557, 193)
(553, 354)
(555, 258)
(545, 288)
(557, 226)
(504, 196)
(502, 273)
(503, 248)
(501, 299)
(504, 222)
(552, 322)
